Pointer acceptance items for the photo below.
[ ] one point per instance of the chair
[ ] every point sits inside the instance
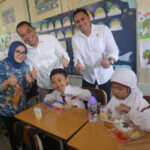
(27, 137)
(99, 94)
(147, 98)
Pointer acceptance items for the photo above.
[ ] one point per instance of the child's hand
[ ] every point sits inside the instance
(102, 106)
(123, 108)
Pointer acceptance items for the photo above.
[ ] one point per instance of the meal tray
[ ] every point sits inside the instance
(123, 136)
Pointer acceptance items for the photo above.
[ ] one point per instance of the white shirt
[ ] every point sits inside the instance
(73, 94)
(46, 57)
(89, 52)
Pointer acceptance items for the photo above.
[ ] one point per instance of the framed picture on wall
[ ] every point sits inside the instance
(8, 16)
(12, 12)
(42, 9)
(80, 3)
(45, 5)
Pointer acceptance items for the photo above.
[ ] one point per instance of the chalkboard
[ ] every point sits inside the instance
(116, 14)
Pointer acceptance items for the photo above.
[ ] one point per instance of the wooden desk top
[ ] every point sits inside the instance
(62, 125)
(93, 136)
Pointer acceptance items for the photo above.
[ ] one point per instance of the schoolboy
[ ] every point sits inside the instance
(64, 92)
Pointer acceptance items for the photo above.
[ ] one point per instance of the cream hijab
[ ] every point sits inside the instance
(127, 78)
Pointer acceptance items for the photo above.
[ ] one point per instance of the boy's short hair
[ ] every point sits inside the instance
(23, 23)
(58, 71)
(80, 10)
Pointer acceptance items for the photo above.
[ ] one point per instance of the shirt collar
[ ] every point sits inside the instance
(92, 29)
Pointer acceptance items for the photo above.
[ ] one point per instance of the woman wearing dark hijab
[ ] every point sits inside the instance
(14, 80)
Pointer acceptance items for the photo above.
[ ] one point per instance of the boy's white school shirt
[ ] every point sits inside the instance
(73, 94)
(137, 104)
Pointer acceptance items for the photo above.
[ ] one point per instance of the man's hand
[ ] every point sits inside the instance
(34, 73)
(28, 77)
(64, 62)
(105, 63)
(79, 67)
(123, 108)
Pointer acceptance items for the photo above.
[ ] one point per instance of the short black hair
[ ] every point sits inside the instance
(58, 71)
(23, 23)
(80, 10)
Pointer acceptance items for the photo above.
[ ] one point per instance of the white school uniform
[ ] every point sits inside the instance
(140, 111)
(73, 94)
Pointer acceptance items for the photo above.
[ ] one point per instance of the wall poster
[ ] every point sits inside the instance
(45, 5)
(145, 55)
(8, 16)
(144, 25)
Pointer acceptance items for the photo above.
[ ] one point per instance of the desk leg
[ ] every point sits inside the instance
(61, 143)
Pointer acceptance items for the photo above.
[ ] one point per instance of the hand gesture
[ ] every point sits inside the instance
(12, 81)
(28, 77)
(79, 67)
(123, 108)
(34, 73)
(105, 62)
(64, 61)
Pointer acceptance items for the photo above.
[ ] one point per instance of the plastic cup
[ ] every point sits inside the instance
(38, 113)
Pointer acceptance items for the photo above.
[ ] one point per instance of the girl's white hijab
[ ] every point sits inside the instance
(128, 78)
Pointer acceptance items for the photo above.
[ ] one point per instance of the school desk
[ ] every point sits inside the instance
(60, 125)
(93, 136)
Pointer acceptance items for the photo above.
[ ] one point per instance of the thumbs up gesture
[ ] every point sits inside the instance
(28, 77)
(34, 73)
(105, 63)
(64, 61)
(12, 80)
(79, 67)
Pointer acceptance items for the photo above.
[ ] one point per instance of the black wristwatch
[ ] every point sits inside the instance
(111, 61)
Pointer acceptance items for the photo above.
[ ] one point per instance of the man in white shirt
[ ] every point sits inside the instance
(44, 53)
(95, 51)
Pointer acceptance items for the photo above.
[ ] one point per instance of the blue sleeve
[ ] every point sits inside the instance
(2, 76)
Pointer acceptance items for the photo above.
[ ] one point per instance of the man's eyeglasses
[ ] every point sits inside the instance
(20, 53)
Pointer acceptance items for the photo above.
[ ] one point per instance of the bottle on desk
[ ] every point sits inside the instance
(92, 109)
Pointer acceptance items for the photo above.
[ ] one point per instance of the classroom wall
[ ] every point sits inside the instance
(73, 4)
(142, 73)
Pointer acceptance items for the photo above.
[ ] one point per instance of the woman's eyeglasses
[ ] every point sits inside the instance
(20, 53)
